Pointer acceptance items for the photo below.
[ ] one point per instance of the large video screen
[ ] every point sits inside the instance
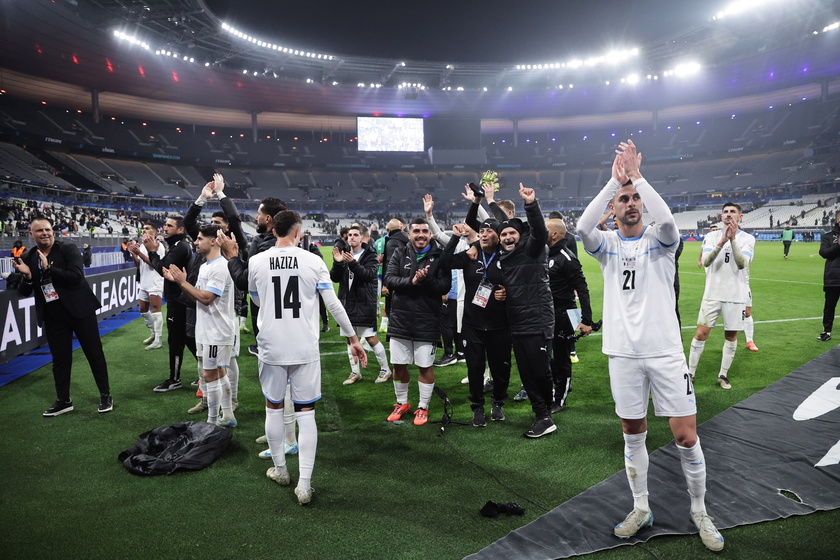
(390, 134)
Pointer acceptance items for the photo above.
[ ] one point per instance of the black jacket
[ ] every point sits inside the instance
(415, 309)
(394, 241)
(529, 304)
(68, 278)
(494, 315)
(179, 253)
(565, 277)
(238, 266)
(359, 298)
(830, 251)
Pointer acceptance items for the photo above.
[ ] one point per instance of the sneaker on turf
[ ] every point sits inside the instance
(200, 406)
(168, 385)
(254, 350)
(751, 346)
(479, 420)
(574, 357)
(325, 328)
(824, 337)
(497, 414)
(262, 440)
(280, 476)
(445, 360)
(154, 345)
(244, 328)
(635, 520)
(353, 378)
(540, 428)
(106, 403)
(399, 410)
(194, 383)
(264, 454)
(462, 359)
(465, 380)
(557, 407)
(488, 386)
(384, 375)
(150, 339)
(59, 407)
(227, 423)
(723, 381)
(304, 496)
(421, 416)
(289, 448)
(522, 395)
(708, 532)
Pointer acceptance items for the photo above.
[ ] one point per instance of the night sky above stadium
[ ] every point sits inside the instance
(465, 30)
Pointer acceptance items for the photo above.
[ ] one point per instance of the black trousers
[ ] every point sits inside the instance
(255, 310)
(59, 327)
(448, 321)
(832, 294)
(533, 358)
(177, 339)
(561, 362)
(480, 349)
(787, 246)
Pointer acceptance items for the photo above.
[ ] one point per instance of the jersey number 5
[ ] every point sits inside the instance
(288, 299)
(629, 280)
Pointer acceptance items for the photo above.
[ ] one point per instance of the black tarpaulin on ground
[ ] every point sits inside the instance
(782, 439)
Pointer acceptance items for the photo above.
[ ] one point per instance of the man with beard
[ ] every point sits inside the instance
(726, 254)
(416, 285)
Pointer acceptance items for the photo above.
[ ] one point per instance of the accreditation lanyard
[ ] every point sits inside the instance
(485, 288)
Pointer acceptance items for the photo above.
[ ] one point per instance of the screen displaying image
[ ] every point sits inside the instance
(390, 134)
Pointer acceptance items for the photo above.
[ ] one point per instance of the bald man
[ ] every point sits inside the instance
(396, 238)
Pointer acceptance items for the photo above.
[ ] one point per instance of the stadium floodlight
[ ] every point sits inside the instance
(832, 27)
(742, 6)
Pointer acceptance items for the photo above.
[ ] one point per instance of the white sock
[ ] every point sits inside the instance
(354, 365)
(401, 390)
(289, 419)
(233, 376)
(213, 392)
(696, 350)
(241, 321)
(636, 466)
(275, 434)
(749, 328)
(729, 347)
(147, 318)
(694, 469)
(383, 326)
(227, 406)
(157, 322)
(381, 356)
(426, 390)
(308, 445)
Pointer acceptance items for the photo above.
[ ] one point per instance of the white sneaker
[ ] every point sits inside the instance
(262, 440)
(635, 520)
(281, 477)
(304, 496)
(574, 357)
(465, 380)
(150, 339)
(723, 381)
(384, 375)
(154, 345)
(353, 378)
(708, 532)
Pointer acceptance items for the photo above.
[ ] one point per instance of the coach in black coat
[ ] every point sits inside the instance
(64, 304)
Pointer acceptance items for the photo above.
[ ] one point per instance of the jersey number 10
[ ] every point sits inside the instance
(288, 299)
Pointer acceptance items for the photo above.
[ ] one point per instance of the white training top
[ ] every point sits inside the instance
(724, 280)
(214, 323)
(150, 280)
(284, 282)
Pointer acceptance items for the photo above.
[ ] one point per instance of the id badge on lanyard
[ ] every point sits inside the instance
(47, 287)
(482, 294)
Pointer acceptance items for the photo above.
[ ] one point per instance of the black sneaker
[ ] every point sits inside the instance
(557, 407)
(522, 395)
(462, 359)
(541, 427)
(60, 407)
(168, 385)
(254, 349)
(106, 403)
(488, 386)
(325, 328)
(497, 414)
(445, 360)
(824, 337)
(479, 420)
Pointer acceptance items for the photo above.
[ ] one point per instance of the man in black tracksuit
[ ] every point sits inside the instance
(485, 331)
(565, 278)
(395, 238)
(530, 311)
(830, 251)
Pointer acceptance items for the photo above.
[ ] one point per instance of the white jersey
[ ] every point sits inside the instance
(150, 280)
(285, 281)
(214, 323)
(640, 319)
(724, 280)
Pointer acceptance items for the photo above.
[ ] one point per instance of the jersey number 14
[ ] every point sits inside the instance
(286, 299)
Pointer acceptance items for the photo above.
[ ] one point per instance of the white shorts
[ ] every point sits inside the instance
(364, 332)
(304, 381)
(143, 295)
(632, 380)
(215, 355)
(403, 351)
(732, 314)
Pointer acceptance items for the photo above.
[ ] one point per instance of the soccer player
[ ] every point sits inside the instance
(215, 326)
(285, 281)
(355, 273)
(726, 254)
(150, 293)
(642, 336)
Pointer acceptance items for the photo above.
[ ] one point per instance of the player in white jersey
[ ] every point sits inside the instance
(215, 332)
(726, 254)
(642, 335)
(285, 281)
(150, 293)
